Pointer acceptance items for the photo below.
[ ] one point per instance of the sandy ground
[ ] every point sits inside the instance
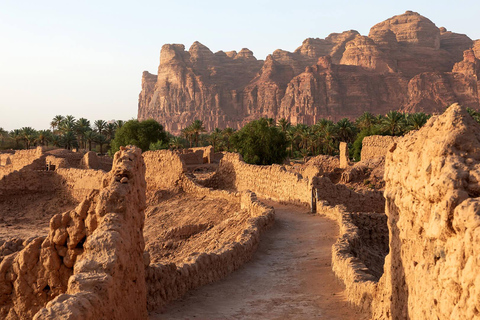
(26, 216)
(290, 277)
(183, 224)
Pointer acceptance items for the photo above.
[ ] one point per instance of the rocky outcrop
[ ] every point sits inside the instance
(432, 187)
(405, 63)
(91, 264)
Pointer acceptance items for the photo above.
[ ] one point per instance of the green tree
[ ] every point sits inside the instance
(260, 143)
(3, 136)
(227, 133)
(82, 125)
(365, 121)
(100, 140)
(100, 126)
(283, 124)
(175, 143)
(89, 138)
(393, 123)
(55, 123)
(416, 120)
(140, 134)
(69, 140)
(29, 135)
(345, 130)
(44, 137)
(215, 138)
(196, 129)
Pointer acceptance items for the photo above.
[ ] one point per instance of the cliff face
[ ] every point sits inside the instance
(405, 63)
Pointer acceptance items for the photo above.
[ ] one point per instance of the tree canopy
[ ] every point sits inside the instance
(260, 142)
(140, 134)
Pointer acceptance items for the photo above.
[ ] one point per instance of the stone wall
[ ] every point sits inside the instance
(165, 170)
(376, 146)
(347, 262)
(80, 182)
(344, 157)
(272, 182)
(108, 280)
(167, 282)
(432, 187)
(32, 159)
(362, 201)
(276, 183)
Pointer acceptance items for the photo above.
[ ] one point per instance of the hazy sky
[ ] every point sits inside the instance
(86, 58)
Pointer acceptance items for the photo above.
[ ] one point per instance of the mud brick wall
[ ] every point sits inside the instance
(376, 146)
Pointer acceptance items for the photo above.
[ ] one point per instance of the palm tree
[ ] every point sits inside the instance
(28, 135)
(345, 130)
(100, 126)
(215, 138)
(56, 121)
(119, 123)
(110, 130)
(188, 134)
(3, 134)
(81, 126)
(89, 137)
(291, 135)
(327, 135)
(227, 133)
(67, 125)
(394, 123)
(17, 136)
(175, 143)
(365, 121)
(283, 124)
(197, 128)
(416, 120)
(100, 139)
(68, 140)
(44, 137)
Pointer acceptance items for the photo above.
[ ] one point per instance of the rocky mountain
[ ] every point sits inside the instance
(405, 63)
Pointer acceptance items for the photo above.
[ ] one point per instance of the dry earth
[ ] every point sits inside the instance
(25, 216)
(290, 277)
(183, 224)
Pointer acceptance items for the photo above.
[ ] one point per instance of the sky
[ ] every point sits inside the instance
(86, 58)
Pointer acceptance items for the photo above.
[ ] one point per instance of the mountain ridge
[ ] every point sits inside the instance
(406, 63)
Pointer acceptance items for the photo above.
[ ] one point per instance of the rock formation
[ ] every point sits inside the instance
(432, 187)
(405, 63)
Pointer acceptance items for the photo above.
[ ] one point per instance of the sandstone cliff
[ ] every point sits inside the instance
(432, 188)
(406, 62)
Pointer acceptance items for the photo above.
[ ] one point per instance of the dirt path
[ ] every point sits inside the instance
(290, 277)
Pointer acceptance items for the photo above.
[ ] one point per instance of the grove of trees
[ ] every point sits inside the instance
(261, 141)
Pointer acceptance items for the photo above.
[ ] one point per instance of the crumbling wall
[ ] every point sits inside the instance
(90, 266)
(109, 277)
(344, 158)
(376, 146)
(335, 194)
(80, 182)
(199, 155)
(165, 170)
(167, 282)
(348, 265)
(432, 188)
(32, 159)
(91, 161)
